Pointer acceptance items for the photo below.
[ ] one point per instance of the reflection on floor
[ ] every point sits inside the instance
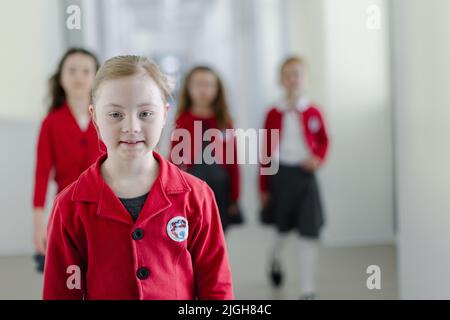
(341, 275)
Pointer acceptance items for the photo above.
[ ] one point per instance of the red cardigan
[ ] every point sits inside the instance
(186, 121)
(64, 149)
(314, 131)
(91, 234)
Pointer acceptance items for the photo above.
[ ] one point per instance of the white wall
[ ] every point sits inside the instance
(422, 104)
(31, 46)
(306, 36)
(350, 80)
(269, 48)
(31, 39)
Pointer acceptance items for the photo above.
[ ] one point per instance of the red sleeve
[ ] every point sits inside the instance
(322, 138)
(44, 164)
(63, 263)
(213, 280)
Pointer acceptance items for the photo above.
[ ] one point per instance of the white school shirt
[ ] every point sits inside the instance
(293, 149)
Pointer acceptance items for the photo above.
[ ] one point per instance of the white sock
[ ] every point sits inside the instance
(308, 249)
(278, 244)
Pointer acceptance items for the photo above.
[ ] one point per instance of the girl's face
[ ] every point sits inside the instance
(77, 75)
(129, 114)
(203, 87)
(293, 77)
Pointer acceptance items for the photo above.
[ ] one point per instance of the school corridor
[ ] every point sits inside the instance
(374, 73)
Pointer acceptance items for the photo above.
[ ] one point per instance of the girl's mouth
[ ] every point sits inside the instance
(131, 143)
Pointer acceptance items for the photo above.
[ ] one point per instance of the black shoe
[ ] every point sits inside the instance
(276, 274)
(309, 296)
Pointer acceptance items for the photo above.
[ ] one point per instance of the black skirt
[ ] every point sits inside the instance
(217, 179)
(294, 202)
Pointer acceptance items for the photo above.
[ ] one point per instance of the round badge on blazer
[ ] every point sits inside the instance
(314, 124)
(178, 228)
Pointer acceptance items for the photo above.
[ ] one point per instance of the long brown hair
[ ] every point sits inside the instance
(56, 94)
(220, 105)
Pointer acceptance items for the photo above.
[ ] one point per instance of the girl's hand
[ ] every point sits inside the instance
(233, 209)
(265, 197)
(311, 164)
(40, 232)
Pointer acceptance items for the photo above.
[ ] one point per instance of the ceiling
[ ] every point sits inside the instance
(183, 16)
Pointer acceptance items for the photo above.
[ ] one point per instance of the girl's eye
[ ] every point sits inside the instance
(146, 114)
(115, 115)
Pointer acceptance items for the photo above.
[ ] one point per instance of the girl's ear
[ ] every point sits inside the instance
(92, 112)
(166, 112)
(93, 117)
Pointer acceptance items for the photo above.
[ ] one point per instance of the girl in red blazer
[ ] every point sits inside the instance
(68, 142)
(134, 226)
(290, 199)
(203, 103)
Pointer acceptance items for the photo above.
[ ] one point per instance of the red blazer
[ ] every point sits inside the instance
(186, 121)
(64, 149)
(90, 228)
(314, 131)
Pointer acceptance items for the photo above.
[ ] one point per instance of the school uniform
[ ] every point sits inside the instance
(63, 149)
(294, 193)
(223, 178)
(174, 250)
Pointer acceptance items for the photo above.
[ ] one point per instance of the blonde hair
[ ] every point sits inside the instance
(292, 59)
(128, 65)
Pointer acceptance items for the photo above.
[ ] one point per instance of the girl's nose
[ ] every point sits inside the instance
(131, 125)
